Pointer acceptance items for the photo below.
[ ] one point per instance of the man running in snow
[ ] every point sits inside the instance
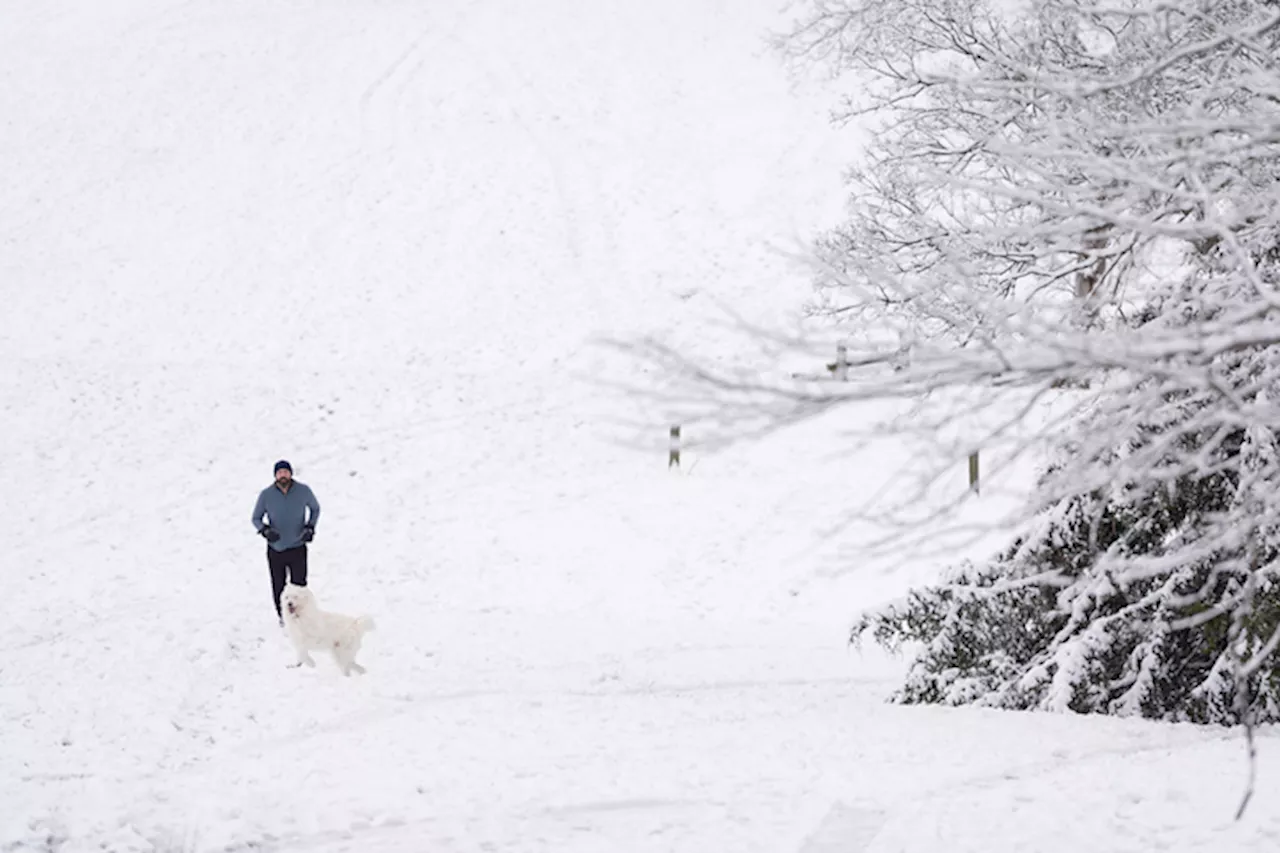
(288, 528)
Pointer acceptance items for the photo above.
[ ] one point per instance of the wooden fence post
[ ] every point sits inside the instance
(673, 459)
(973, 472)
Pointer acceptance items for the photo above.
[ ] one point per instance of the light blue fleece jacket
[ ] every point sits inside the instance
(287, 513)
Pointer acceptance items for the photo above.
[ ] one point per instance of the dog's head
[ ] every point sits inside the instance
(296, 600)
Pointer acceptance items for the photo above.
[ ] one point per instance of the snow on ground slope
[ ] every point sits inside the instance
(377, 238)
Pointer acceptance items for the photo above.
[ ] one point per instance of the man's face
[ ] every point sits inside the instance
(283, 477)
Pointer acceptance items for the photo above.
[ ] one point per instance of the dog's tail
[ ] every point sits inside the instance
(365, 624)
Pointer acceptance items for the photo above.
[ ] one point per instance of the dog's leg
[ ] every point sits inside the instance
(345, 659)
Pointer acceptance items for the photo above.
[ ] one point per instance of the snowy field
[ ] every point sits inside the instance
(378, 239)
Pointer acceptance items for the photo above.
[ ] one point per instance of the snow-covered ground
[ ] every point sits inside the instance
(378, 239)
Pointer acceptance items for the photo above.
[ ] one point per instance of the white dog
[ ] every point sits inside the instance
(312, 629)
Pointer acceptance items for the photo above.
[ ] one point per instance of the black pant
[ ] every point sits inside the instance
(291, 560)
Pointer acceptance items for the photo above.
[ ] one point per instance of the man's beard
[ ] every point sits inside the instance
(283, 482)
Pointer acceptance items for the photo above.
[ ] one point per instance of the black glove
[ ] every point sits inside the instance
(308, 533)
(270, 534)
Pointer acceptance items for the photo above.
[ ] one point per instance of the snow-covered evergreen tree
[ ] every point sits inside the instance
(1075, 205)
